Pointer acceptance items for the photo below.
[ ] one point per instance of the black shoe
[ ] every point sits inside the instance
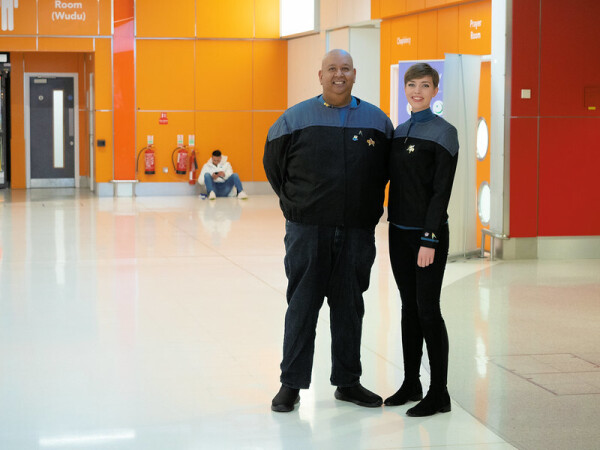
(434, 402)
(285, 399)
(408, 392)
(359, 396)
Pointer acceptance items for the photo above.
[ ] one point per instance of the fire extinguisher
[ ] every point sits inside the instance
(149, 160)
(193, 167)
(182, 157)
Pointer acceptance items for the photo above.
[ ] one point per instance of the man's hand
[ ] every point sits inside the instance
(425, 257)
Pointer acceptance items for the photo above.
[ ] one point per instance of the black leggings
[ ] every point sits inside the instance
(420, 294)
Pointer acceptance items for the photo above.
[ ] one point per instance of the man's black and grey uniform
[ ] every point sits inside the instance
(329, 168)
(325, 172)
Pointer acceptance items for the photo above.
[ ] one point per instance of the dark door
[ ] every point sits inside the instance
(52, 132)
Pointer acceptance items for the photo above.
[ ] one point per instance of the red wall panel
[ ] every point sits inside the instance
(570, 56)
(124, 91)
(523, 177)
(569, 198)
(553, 169)
(525, 57)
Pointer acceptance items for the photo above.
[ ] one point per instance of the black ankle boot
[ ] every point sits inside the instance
(408, 392)
(434, 402)
(285, 399)
(358, 395)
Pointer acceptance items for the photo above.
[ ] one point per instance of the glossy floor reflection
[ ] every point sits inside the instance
(157, 323)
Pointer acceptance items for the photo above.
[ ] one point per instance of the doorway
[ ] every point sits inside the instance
(51, 130)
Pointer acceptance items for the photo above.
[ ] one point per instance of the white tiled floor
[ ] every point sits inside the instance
(156, 323)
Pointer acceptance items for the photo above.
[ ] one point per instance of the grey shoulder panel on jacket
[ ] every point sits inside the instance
(437, 130)
(371, 117)
(312, 112)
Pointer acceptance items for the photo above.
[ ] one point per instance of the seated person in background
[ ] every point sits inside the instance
(219, 178)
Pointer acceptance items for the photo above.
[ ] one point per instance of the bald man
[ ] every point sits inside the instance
(326, 159)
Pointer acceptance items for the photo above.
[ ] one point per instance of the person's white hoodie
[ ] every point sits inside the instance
(209, 167)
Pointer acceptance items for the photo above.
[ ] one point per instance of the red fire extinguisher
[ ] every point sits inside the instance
(193, 167)
(182, 157)
(149, 160)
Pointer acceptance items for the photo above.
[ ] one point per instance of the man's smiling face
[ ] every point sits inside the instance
(337, 76)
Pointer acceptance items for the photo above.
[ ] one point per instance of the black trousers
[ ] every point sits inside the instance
(325, 262)
(420, 290)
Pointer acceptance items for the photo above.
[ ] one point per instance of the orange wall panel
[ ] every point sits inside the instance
(262, 121)
(165, 74)
(375, 9)
(404, 38)
(225, 18)
(157, 18)
(17, 136)
(18, 44)
(52, 62)
(103, 75)
(84, 142)
(475, 28)
(427, 40)
(484, 110)
(103, 165)
(224, 75)
(23, 19)
(391, 8)
(270, 75)
(415, 5)
(105, 15)
(50, 44)
(266, 16)
(231, 132)
(165, 142)
(434, 3)
(447, 35)
(69, 18)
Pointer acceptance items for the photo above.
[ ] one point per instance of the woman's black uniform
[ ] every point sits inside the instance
(422, 165)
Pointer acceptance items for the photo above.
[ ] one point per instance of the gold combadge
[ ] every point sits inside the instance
(371, 142)
(410, 148)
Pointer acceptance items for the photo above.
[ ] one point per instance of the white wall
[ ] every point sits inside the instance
(305, 53)
(364, 48)
(342, 13)
(304, 61)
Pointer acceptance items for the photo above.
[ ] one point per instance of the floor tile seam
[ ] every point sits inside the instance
(554, 373)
